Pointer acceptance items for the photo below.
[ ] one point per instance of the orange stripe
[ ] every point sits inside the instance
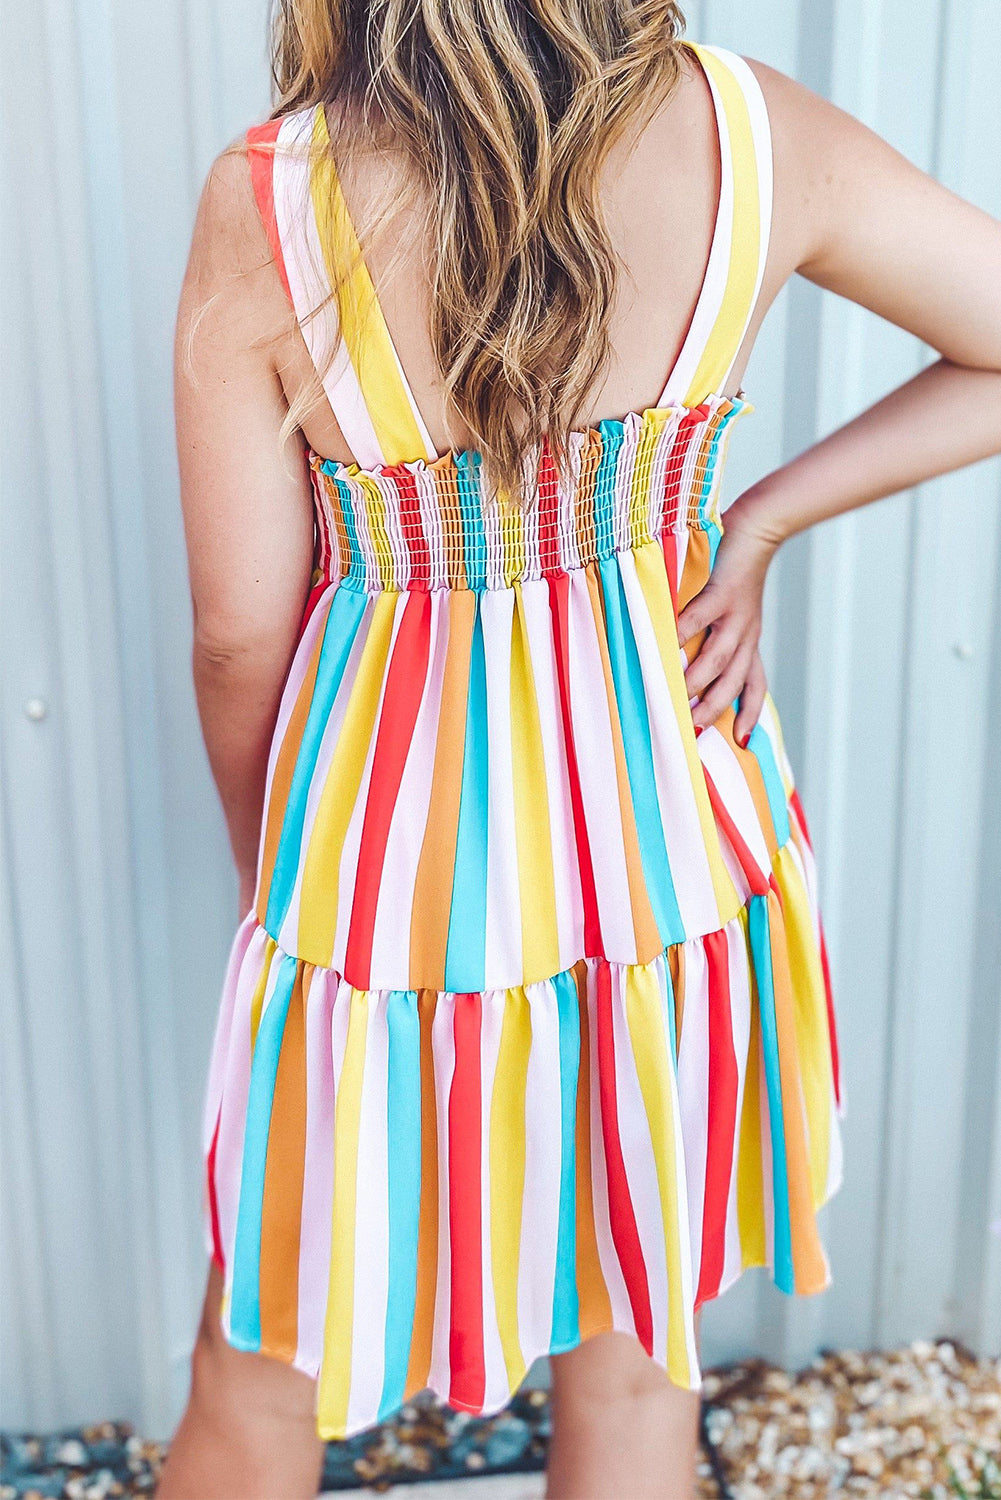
(648, 942)
(751, 770)
(433, 882)
(281, 780)
(595, 1305)
(427, 1230)
(281, 1209)
(676, 966)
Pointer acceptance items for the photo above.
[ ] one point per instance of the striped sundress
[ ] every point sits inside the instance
(529, 1033)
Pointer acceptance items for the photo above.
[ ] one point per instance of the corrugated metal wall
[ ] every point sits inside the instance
(885, 648)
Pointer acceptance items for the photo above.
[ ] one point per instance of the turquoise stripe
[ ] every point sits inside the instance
(761, 745)
(468, 468)
(612, 435)
(245, 1298)
(627, 677)
(339, 633)
(761, 956)
(566, 1308)
(465, 951)
(404, 1190)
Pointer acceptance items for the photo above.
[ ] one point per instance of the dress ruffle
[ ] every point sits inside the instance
(412, 1188)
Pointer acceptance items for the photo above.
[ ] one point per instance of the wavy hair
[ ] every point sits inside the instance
(506, 111)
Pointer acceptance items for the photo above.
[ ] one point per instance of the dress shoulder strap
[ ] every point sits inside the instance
(319, 260)
(739, 248)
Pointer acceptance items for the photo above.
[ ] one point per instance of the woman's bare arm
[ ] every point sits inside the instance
(246, 499)
(857, 218)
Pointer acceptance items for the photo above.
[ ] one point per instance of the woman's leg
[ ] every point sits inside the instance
(619, 1426)
(249, 1429)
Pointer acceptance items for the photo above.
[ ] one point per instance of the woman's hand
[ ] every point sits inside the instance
(725, 665)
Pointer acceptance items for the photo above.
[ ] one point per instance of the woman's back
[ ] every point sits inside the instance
(660, 195)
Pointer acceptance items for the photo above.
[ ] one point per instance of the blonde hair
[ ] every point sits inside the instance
(506, 111)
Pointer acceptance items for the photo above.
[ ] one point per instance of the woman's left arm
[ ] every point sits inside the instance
(246, 497)
(857, 218)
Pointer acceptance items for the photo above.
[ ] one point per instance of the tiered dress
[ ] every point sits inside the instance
(529, 1034)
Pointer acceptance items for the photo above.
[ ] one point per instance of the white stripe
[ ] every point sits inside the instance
(622, 1313)
(762, 138)
(693, 1089)
(690, 869)
(569, 904)
(590, 714)
(289, 933)
(233, 1108)
(721, 762)
(496, 1390)
(710, 297)
(541, 1199)
(348, 869)
(310, 289)
(394, 912)
(687, 1288)
(290, 694)
(503, 960)
(640, 1164)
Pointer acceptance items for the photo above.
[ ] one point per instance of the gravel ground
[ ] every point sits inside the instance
(923, 1421)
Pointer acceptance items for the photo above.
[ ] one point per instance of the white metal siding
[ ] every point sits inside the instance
(118, 902)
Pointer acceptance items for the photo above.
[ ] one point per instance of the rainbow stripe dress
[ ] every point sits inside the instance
(529, 1034)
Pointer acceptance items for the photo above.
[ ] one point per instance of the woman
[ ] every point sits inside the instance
(526, 1045)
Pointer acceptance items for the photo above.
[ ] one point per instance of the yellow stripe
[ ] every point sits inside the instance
(639, 497)
(362, 323)
(653, 581)
(257, 1002)
(810, 1007)
(654, 1069)
(321, 867)
(507, 1173)
(750, 1165)
(533, 838)
(335, 1370)
(745, 239)
(513, 538)
(375, 511)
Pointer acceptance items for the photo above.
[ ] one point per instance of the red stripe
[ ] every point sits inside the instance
(752, 871)
(404, 688)
(217, 1251)
(801, 815)
(831, 1023)
(676, 461)
(412, 525)
(465, 1337)
(262, 164)
(548, 482)
(559, 584)
(722, 1121)
(669, 545)
(625, 1235)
